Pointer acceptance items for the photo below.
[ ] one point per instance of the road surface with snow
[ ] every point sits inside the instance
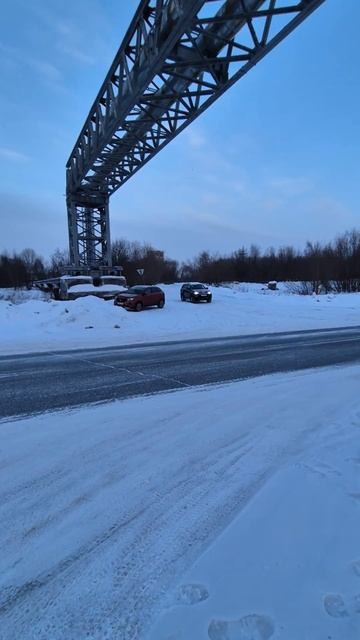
(33, 383)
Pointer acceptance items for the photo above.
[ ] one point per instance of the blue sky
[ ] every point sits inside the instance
(275, 161)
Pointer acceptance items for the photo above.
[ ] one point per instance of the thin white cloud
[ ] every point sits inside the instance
(195, 138)
(71, 36)
(326, 208)
(46, 69)
(71, 42)
(12, 154)
(65, 28)
(290, 186)
(75, 53)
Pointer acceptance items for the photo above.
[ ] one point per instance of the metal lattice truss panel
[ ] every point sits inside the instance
(177, 58)
(89, 235)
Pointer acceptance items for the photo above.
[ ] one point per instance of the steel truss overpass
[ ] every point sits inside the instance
(176, 59)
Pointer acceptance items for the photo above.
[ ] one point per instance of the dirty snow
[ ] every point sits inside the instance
(224, 513)
(38, 325)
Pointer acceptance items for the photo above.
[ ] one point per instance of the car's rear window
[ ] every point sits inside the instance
(136, 290)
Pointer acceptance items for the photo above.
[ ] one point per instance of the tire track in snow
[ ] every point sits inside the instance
(184, 505)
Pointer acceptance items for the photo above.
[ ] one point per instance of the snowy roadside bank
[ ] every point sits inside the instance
(242, 309)
(112, 512)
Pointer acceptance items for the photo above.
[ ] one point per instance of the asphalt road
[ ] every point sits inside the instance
(35, 383)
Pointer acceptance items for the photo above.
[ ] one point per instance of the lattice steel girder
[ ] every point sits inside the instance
(177, 58)
(89, 234)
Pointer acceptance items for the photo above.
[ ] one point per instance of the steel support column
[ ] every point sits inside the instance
(89, 234)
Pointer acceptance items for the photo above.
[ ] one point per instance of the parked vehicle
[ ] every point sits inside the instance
(195, 292)
(73, 287)
(141, 296)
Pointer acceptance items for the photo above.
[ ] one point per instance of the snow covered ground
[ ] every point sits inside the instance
(223, 513)
(38, 325)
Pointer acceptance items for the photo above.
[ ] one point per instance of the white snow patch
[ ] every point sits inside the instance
(19, 296)
(91, 289)
(226, 513)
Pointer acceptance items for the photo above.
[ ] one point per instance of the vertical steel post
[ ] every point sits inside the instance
(105, 234)
(89, 234)
(72, 228)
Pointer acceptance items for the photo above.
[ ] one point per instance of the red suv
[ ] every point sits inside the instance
(141, 296)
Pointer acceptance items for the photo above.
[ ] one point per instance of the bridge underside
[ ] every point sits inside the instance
(177, 58)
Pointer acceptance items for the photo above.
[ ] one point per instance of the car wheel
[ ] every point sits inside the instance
(161, 304)
(208, 299)
(182, 297)
(138, 306)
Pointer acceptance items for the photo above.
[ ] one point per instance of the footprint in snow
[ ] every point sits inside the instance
(334, 603)
(191, 594)
(356, 603)
(356, 567)
(335, 606)
(250, 627)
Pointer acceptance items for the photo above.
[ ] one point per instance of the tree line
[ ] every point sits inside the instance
(23, 268)
(331, 266)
